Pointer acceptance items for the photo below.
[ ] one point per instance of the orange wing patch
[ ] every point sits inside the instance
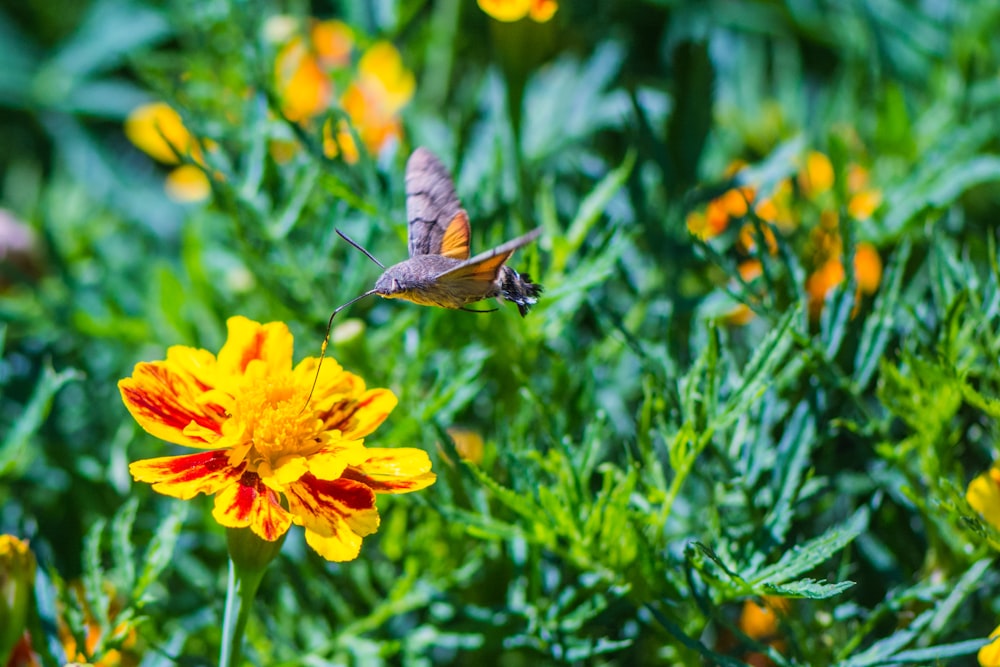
(485, 270)
(455, 242)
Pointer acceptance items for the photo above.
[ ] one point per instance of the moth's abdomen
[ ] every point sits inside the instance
(519, 289)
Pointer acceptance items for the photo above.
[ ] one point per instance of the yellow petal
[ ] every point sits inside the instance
(341, 545)
(360, 417)
(249, 341)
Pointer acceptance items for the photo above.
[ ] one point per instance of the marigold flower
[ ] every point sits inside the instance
(304, 88)
(269, 462)
(515, 10)
(157, 130)
(989, 655)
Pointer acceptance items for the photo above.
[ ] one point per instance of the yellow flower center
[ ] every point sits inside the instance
(269, 429)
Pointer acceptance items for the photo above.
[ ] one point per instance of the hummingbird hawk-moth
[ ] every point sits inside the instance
(439, 271)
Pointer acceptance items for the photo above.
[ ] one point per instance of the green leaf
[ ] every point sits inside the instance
(15, 451)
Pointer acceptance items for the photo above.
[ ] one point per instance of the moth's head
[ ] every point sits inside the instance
(392, 284)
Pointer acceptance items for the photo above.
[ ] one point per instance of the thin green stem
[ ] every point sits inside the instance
(240, 592)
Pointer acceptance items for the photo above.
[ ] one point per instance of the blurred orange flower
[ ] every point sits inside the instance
(867, 271)
(761, 622)
(374, 94)
(515, 10)
(157, 130)
(742, 314)
(372, 102)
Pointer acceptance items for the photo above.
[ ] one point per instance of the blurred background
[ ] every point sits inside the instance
(738, 428)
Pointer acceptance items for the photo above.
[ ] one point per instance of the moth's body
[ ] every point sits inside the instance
(416, 280)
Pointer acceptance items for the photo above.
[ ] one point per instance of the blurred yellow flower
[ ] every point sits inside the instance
(816, 176)
(157, 130)
(468, 444)
(984, 496)
(863, 200)
(187, 183)
(989, 655)
(271, 458)
(515, 10)
(17, 581)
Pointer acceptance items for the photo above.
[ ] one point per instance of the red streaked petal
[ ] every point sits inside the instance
(334, 513)
(393, 470)
(165, 401)
(249, 341)
(249, 502)
(360, 417)
(185, 477)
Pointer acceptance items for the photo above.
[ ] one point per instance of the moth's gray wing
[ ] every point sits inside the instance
(431, 202)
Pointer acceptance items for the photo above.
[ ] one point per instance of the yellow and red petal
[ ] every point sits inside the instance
(249, 502)
(393, 470)
(356, 418)
(334, 513)
(250, 341)
(186, 476)
(165, 400)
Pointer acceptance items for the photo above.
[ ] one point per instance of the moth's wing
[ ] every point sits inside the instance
(437, 223)
(486, 265)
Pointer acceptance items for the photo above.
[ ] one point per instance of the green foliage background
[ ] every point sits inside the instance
(648, 468)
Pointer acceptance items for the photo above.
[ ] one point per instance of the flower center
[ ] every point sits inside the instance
(268, 418)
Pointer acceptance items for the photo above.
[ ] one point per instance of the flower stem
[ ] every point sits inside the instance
(240, 591)
(249, 557)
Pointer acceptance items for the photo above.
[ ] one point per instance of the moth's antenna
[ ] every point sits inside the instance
(358, 246)
(326, 340)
